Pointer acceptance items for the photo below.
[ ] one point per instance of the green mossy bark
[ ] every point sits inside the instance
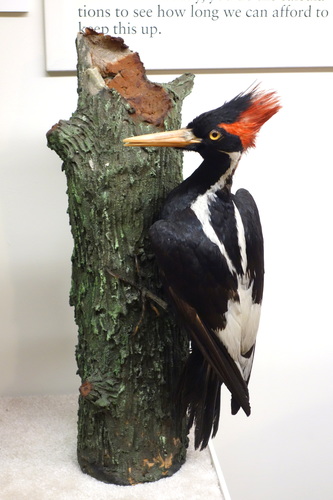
(130, 352)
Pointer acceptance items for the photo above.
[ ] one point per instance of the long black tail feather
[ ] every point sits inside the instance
(199, 396)
(235, 406)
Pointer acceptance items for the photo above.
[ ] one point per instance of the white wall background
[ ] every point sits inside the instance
(285, 449)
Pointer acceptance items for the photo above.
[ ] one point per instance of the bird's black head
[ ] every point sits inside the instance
(214, 139)
(231, 128)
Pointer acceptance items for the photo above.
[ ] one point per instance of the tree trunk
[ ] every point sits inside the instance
(130, 352)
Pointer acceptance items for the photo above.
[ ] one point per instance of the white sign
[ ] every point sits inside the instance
(14, 5)
(191, 34)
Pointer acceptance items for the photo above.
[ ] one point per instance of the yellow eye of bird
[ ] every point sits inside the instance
(214, 135)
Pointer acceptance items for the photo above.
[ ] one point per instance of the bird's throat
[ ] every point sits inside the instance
(225, 180)
(209, 177)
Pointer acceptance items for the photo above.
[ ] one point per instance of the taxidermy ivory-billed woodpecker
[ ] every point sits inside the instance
(209, 248)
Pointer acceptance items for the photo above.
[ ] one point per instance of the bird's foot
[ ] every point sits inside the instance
(145, 294)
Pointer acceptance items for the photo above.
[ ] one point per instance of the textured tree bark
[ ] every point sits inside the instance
(130, 352)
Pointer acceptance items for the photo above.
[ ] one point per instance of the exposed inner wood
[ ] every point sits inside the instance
(123, 71)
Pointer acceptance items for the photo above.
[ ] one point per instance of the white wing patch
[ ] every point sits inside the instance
(242, 321)
(241, 239)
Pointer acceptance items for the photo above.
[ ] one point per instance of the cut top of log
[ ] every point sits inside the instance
(111, 64)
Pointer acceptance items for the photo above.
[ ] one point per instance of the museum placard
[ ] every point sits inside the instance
(14, 5)
(192, 34)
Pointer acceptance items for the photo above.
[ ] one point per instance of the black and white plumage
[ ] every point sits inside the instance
(209, 247)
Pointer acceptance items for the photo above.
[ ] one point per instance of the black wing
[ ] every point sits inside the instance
(254, 241)
(200, 285)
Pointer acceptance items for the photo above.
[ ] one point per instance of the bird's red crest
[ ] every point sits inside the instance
(262, 107)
